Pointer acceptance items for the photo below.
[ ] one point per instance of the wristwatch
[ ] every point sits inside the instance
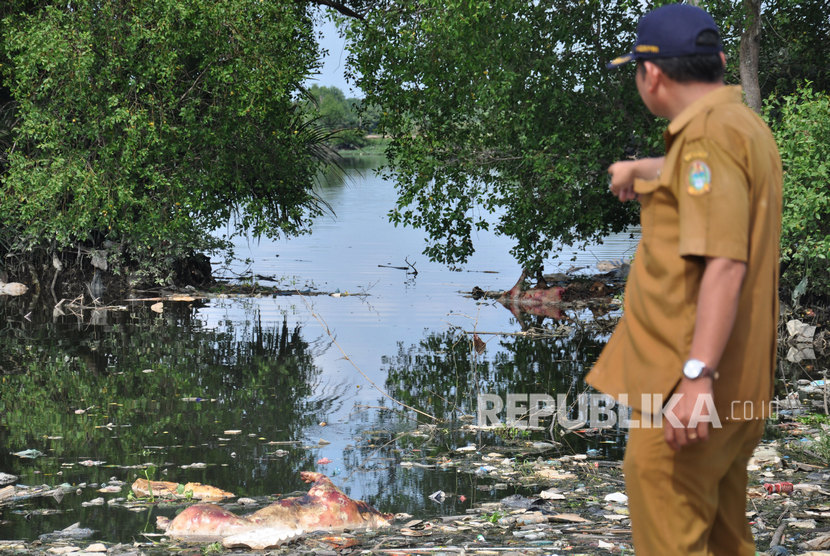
(695, 368)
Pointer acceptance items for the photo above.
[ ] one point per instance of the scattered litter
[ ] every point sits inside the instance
(110, 489)
(28, 454)
(801, 352)
(339, 543)
(197, 465)
(778, 487)
(542, 446)
(555, 474)
(617, 497)
(417, 528)
(800, 332)
(74, 531)
(519, 501)
(438, 496)
(764, 456)
(63, 549)
(551, 494)
(821, 542)
(165, 489)
(13, 288)
(569, 518)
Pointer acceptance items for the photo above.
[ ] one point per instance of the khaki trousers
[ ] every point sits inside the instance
(691, 502)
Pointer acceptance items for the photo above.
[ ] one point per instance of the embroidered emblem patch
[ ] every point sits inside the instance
(700, 178)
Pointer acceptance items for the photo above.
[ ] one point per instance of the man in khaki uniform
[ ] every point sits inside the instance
(698, 335)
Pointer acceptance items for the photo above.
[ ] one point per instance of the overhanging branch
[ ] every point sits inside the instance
(341, 8)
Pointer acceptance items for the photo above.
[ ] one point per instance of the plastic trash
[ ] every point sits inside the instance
(617, 497)
(782, 488)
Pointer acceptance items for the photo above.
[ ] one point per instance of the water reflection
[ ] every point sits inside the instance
(242, 393)
(157, 389)
(444, 376)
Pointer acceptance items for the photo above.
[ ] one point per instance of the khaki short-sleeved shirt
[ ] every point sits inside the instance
(718, 195)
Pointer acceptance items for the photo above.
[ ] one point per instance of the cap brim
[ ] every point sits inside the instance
(622, 60)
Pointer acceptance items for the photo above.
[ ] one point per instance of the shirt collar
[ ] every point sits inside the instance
(722, 95)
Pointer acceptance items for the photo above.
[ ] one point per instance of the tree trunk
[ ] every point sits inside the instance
(750, 49)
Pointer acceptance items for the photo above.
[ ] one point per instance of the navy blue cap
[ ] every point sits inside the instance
(671, 31)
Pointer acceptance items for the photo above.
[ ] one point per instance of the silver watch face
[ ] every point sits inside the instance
(693, 368)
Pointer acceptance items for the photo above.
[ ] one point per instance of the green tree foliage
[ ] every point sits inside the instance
(336, 111)
(148, 124)
(801, 124)
(503, 107)
(795, 46)
(347, 119)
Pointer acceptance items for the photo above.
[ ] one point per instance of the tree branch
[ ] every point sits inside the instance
(343, 9)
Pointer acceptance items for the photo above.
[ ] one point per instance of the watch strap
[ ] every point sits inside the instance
(710, 372)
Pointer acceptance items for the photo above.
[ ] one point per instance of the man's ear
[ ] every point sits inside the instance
(653, 76)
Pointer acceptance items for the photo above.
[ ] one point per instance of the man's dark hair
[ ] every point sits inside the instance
(704, 68)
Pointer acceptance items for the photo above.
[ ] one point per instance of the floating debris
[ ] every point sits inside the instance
(13, 288)
(438, 496)
(28, 454)
(197, 465)
(74, 531)
(166, 489)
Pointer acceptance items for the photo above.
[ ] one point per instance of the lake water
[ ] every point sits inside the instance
(243, 393)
